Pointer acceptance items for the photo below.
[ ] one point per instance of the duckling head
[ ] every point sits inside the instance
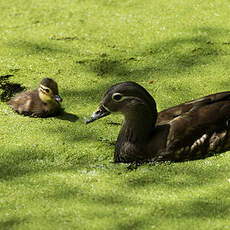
(48, 91)
(127, 98)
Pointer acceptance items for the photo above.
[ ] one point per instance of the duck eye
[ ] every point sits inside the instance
(117, 97)
(47, 90)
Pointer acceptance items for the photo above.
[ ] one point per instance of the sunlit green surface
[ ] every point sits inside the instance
(57, 173)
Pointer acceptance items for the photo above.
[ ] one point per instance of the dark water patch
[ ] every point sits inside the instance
(68, 38)
(7, 88)
(68, 117)
(10, 224)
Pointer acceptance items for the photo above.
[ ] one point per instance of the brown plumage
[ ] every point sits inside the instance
(41, 102)
(191, 130)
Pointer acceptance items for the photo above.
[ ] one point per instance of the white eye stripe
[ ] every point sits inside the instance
(129, 97)
(122, 98)
(44, 89)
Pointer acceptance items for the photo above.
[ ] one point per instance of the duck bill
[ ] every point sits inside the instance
(101, 112)
(58, 99)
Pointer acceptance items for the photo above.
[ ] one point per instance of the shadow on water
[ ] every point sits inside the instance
(170, 57)
(209, 205)
(29, 160)
(8, 88)
(67, 117)
(38, 48)
(178, 175)
(176, 55)
(11, 223)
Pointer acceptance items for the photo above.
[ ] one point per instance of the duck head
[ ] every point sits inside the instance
(129, 99)
(140, 114)
(48, 91)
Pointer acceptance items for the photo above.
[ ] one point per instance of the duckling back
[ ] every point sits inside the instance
(28, 104)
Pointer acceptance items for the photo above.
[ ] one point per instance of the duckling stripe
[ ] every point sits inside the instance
(43, 89)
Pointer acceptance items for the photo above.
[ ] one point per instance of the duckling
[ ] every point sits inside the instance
(189, 131)
(41, 102)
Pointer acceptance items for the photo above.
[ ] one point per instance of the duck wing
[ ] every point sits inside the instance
(168, 114)
(197, 129)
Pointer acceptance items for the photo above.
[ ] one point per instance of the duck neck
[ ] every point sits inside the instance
(137, 129)
(134, 134)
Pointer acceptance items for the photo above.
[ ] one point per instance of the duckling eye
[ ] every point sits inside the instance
(47, 90)
(117, 97)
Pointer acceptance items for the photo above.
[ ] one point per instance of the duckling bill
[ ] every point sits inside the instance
(41, 102)
(192, 130)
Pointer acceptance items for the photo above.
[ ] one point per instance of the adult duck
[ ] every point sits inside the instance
(41, 102)
(192, 130)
